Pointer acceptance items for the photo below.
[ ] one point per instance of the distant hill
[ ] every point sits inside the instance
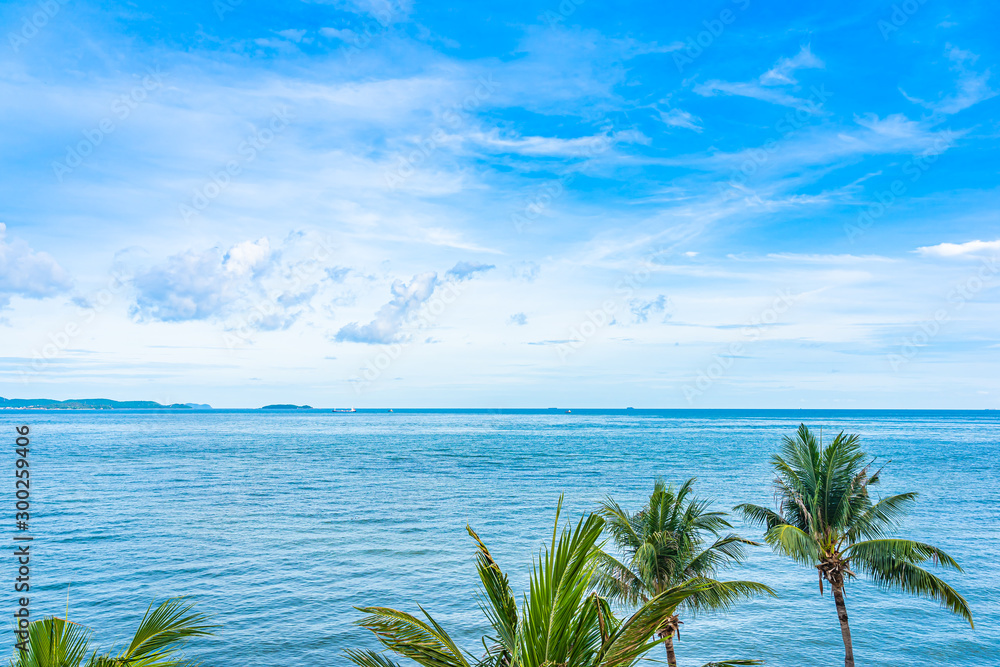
(286, 406)
(84, 404)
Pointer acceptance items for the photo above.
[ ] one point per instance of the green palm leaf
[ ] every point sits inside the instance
(162, 632)
(369, 659)
(424, 643)
(499, 606)
(53, 642)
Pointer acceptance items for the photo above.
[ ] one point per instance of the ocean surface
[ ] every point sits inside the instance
(278, 523)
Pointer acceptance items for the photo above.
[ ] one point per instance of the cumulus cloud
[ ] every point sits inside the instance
(465, 270)
(390, 318)
(519, 319)
(27, 273)
(251, 282)
(971, 248)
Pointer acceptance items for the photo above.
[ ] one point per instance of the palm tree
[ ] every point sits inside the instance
(674, 539)
(826, 518)
(561, 620)
(57, 642)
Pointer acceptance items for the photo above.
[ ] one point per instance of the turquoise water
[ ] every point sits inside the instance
(277, 523)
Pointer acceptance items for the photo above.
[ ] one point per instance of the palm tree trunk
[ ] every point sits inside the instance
(845, 629)
(669, 643)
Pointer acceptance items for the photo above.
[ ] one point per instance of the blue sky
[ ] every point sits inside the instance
(730, 204)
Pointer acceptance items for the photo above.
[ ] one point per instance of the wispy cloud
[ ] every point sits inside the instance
(680, 118)
(968, 249)
(972, 86)
(783, 72)
(765, 87)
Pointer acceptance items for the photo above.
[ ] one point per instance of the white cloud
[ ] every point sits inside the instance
(392, 317)
(343, 34)
(466, 270)
(973, 248)
(589, 146)
(27, 273)
(292, 34)
(782, 74)
(247, 257)
(972, 86)
(248, 283)
(680, 118)
(755, 90)
(642, 309)
(783, 71)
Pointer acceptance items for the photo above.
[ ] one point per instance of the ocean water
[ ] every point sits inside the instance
(278, 523)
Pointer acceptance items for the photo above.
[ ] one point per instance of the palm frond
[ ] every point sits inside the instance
(637, 634)
(909, 578)
(369, 659)
(723, 595)
(759, 516)
(412, 638)
(793, 541)
(163, 631)
(500, 607)
(54, 642)
(888, 550)
(551, 628)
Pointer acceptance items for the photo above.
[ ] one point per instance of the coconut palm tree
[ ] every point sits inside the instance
(57, 642)
(826, 518)
(674, 539)
(561, 620)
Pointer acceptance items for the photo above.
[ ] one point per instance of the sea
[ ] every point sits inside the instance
(279, 523)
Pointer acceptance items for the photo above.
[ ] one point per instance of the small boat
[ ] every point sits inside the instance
(344, 410)
(568, 411)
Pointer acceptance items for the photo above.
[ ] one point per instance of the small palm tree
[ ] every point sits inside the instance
(561, 621)
(56, 642)
(673, 540)
(826, 518)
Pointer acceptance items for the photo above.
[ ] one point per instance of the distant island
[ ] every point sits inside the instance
(91, 404)
(286, 406)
